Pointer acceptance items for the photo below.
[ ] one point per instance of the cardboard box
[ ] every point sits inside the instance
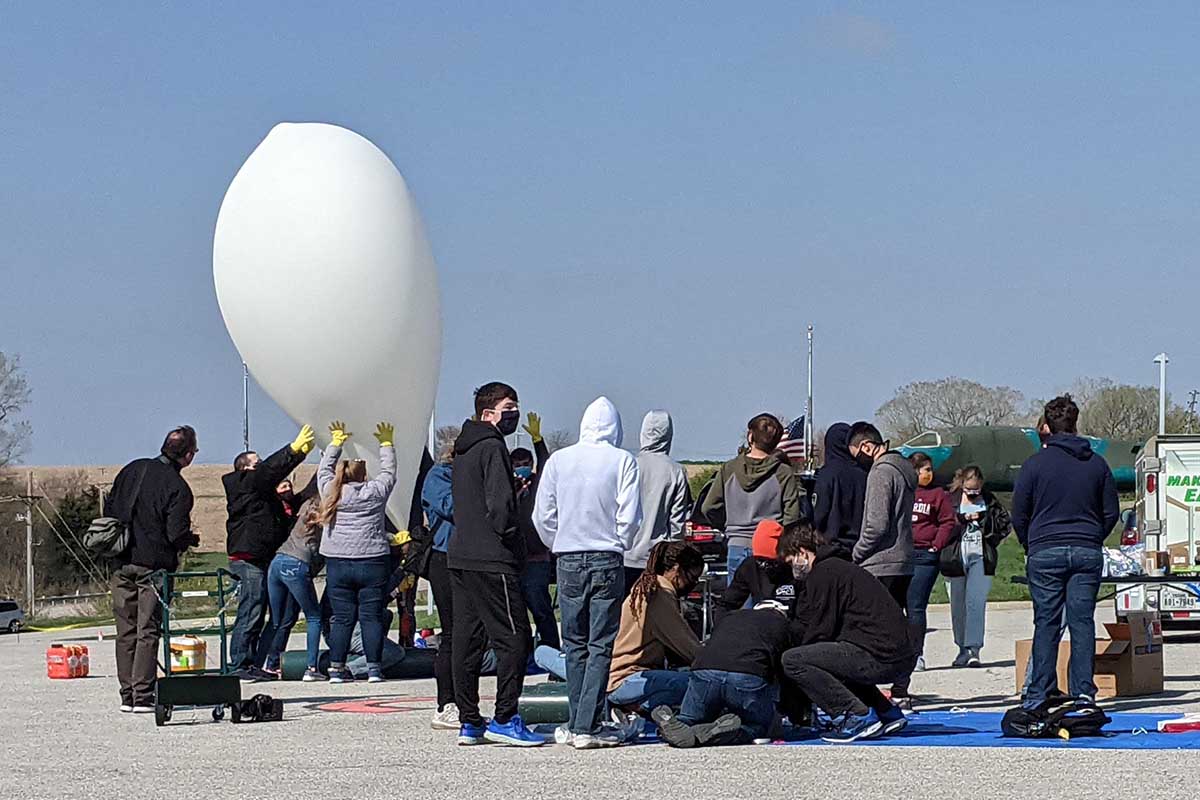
(1156, 562)
(1129, 664)
(1180, 556)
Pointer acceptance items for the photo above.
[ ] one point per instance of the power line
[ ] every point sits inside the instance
(92, 575)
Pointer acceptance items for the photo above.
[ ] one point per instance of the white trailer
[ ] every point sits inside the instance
(1168, 521)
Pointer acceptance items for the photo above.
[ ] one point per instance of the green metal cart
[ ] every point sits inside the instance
(195, 688)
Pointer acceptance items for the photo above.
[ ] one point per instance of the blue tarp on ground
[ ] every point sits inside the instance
(982, 729)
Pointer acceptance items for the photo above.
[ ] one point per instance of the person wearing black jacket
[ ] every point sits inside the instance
(735, 673)
(760, 577)
(856, 636)
(841, 491)
(153, 499)
(256, 526)
(486, 556)
(539, 564)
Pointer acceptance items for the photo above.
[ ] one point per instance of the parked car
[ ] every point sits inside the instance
(11, 616)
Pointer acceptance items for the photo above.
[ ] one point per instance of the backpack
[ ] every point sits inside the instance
(1063, 717)
(420, 549)
(109, 537)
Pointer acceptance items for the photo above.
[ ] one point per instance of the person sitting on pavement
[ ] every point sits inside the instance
(732, 687)
(761, 577)
(856, 637)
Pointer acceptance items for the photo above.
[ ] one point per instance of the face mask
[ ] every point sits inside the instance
(524, 473)
(864, 460)
(925, 478)
(800, 570)
(508, 422)
(973, 496)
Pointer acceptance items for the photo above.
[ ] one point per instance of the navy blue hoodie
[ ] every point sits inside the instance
(841, 490)
(1065, 495)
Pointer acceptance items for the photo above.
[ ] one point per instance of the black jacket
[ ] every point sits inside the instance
(841, 491)
(757, 579)
(486, 536)
(848, 604)
(746, 641)
(996, 525)
(161, 521)
(258, 522)
(525, 500)
(1065, 495)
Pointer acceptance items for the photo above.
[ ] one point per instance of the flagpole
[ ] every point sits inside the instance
(809, 444)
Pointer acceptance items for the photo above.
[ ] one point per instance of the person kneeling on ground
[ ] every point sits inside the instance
(731, 691)
(856, 637)
(761, 577)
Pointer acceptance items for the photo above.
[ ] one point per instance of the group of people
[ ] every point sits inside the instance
(824, 599)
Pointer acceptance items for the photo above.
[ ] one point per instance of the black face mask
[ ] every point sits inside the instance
(865, 461)
(509, 420)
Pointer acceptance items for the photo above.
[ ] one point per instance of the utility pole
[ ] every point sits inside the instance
(1162, 361)
(29, 593)
(1191, 415)
(809, 427)
(245, 407)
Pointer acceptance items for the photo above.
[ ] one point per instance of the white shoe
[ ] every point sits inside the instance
(595, 741)
(563, 735)
(446, 719)
(143, 709)
(126, 709)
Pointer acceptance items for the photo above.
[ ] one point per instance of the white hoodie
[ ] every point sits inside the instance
(588, 498)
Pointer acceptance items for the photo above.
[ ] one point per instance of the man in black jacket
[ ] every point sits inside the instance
(258, 524)
(486, 556)
(841, 491)
(151, 497)
(856, 636)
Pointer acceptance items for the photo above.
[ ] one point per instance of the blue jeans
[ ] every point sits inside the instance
(734, 556)
(289, 579)
(647, 690)
(968, 603)
(589, 593)
(712, 693)
(535, 586)
(251, 614)
(356, 589)
(1063, 576)
(925, 575)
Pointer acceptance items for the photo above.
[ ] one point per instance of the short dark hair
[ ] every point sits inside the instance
(243, 460)
(522, 455)
(765, 432)
(920, 460)
(491, 395)
(1062, 415)
(796, 537)
(180, 443)
(864, 432)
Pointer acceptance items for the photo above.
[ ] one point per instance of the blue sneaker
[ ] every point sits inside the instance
(472, 734)
(513, 733)
(893, 721)
(854, 728)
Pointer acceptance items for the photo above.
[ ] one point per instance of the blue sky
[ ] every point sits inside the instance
(649, 203)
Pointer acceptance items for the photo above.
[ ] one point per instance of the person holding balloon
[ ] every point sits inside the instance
(356, 547)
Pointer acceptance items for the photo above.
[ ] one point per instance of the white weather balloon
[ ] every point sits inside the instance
(329, 290)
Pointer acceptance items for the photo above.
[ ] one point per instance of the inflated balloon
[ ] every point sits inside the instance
(329, 290)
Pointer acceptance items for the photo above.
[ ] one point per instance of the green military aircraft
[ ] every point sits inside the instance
(1001, 450)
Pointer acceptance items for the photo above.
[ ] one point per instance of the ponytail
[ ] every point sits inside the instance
(663, 556)
(346, 472)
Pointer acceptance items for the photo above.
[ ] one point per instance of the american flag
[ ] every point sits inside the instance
(793, 444)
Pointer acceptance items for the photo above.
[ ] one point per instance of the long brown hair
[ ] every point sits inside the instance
(663, 557)
(347, 472)
(965, 474)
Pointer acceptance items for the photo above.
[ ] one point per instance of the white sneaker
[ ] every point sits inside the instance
(143, 709)
(563, 735)
(595, 741)
(446, 719)
(126, 709)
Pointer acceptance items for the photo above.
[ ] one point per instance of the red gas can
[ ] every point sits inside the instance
(58, 662)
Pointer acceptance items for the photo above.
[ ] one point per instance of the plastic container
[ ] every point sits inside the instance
(188, 653)
(61, 662)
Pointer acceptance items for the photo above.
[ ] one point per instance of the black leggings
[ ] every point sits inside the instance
(443, 598)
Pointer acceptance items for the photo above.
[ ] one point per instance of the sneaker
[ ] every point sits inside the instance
(274, 672)
(854, 728)
(893, 721)
(762, 741)
(446, 719)
(920, 667)
(595, 741)
(671, 730)
(903, 702)
(469, 734)
(973, 658)
(143, 709)
(374, 675)
(962, 658)
(726, 730)
(312, 674)
(513, 733)
(563, 735)
(126, 708)
(629, 725)
(342, 675)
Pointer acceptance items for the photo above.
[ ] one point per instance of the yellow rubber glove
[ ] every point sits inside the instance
(534, 427)
(400, 538)
(407, 583)
(338, 433)
(385, 432)
(305, 440)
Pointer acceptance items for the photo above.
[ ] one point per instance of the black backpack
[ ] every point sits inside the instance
(1061, 716)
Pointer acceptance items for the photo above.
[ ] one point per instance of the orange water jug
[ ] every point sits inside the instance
(58, 662)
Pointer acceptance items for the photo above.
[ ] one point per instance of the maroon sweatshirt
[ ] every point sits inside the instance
(932, 518)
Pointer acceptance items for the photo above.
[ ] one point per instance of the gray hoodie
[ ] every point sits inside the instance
(885, 545)
(666, 498)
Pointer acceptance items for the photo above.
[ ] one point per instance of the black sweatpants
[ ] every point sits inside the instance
(489, 606)
(840, 677)
(897, 586)
(443, 598)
